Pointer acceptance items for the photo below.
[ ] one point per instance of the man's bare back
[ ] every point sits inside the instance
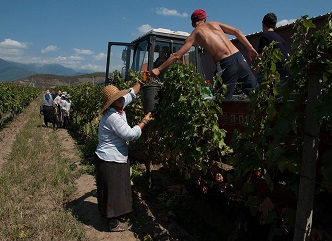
(213, 39)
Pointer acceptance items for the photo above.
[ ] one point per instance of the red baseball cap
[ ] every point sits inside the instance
(197, 15)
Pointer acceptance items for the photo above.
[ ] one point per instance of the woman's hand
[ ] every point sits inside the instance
(147, 118)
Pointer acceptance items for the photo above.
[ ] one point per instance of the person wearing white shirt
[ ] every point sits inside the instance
(65, 105)
(57, 113)
(112, 165)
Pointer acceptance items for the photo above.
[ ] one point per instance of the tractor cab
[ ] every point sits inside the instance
(151, 50)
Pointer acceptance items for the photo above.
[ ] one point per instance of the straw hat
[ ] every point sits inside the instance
(111, 93)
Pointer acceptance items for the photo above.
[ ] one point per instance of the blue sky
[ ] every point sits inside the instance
(75, 33)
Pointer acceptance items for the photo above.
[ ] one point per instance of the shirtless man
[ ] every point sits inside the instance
(230, 63)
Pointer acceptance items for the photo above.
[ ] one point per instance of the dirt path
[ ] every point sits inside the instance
(83, 202)
(84, 206)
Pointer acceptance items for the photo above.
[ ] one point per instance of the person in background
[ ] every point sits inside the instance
(57, 113)
(47, 92)
(163, 53)
(112, 165)
(231, 66)
(57, 99)
(65, 109)
(268, 25)
(53, 95)
(61, 102)
(48, 110)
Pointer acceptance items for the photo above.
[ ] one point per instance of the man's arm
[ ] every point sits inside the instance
(240, 36)
(174, 57)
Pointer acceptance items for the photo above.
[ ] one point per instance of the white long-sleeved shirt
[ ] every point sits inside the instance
(65, 106)
(114, 133)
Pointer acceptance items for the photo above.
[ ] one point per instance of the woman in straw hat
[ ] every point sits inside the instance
(112, 164)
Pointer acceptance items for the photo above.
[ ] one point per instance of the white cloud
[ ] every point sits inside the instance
(75, 58)
(50, 48)
(100, 57)
(11, 49)
(74, 61)
(9, 43)
(10, 52)
(95, 68)
(170, 12)
(285, 22)
(63, 60)
(26, 60)
(83, 51)
(144, 28)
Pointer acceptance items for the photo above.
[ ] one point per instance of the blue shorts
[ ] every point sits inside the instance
(235, 69)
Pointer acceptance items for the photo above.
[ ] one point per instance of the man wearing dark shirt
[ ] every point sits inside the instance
(269, 24)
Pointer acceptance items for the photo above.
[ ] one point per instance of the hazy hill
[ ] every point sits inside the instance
(46, 81)
(10, 71)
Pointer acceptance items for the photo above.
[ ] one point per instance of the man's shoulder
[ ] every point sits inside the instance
(205, 26)
(212, 23)
(270, 34)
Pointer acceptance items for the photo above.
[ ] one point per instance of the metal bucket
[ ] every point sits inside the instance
(150, 97)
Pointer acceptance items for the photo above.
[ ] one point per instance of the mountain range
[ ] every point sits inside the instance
(10, 71)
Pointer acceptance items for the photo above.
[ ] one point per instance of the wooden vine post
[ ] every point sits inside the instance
(304, 212)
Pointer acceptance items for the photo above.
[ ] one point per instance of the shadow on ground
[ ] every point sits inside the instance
(145, 222)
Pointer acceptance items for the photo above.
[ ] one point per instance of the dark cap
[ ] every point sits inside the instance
(197, 15)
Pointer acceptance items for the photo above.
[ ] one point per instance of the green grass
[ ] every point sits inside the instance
(34, 183)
